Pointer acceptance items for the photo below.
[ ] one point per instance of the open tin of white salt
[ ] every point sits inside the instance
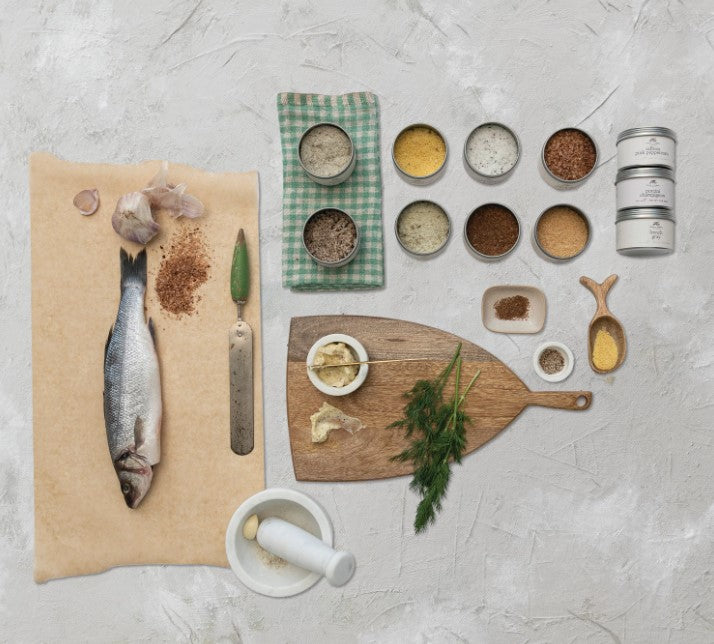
(491, 152)
(327, 154)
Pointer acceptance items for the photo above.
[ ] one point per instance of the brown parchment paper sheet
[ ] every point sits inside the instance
(82, 524)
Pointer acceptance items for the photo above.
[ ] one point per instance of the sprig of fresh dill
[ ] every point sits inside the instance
(438, 432)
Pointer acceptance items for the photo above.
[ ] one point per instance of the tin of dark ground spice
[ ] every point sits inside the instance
(184, 267)
(492, 231)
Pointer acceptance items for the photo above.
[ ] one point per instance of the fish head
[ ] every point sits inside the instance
(135, 474)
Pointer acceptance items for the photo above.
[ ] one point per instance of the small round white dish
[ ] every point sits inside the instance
(357, 349)
(567, 356)
(258, 569)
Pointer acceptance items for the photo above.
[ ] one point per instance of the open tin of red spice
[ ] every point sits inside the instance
(568, 158)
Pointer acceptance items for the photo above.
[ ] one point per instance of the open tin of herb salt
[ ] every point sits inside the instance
(423, 228)
(561, 233)
(568, 158)
(419, 154)
(330, 237)
(491, 231)
(491, 152)
(327, 154)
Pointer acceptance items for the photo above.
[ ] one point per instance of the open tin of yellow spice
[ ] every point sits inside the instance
(561, 232)
(419, 153)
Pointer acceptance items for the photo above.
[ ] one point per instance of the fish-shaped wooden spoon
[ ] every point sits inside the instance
(604, 320)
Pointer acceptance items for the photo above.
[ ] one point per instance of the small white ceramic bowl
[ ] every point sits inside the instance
(251, 564)
(356, 347)
(564, 372)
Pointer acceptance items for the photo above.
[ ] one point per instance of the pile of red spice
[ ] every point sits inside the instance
(492, 229)
(515, 307)
(184, 268)
(570, 154)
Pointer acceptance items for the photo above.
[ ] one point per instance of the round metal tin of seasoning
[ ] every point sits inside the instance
(553, 179)
(491, 178)
(411, 251)
(342, 261)
(420, 180)
(646, 146)
(539, 246)
(481, 255)
(645, 231)
(332, 179)
(645, 188)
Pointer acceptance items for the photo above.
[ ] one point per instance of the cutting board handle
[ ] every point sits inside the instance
(573, 400)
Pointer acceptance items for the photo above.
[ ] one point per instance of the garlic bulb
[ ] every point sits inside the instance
(132, 218)
(87, 201)
(162, 194)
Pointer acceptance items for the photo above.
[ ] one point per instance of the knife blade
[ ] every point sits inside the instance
(240, 355)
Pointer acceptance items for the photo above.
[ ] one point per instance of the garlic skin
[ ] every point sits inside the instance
(164, 195)
(87, 201)
(132, 218)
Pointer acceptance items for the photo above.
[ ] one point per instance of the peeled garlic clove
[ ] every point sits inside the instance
(132, 218)
(87, 201)
(250, 527)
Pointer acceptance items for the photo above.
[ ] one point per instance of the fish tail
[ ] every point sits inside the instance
(133, 268)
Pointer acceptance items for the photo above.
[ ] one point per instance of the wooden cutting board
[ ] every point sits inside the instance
(496, 399)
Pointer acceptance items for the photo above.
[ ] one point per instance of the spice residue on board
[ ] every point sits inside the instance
(570, 154)
(325, 150)
(515, 307)
(492, 230)
(185, 266)
(420, 151)
(562, 232)
(492, 150)
(551, 361)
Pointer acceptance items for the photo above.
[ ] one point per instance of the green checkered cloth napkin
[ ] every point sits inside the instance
(360, 196)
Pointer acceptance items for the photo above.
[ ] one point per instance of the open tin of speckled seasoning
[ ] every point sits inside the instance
(491, 152)
(419, 154)
(492, 231)
(330, 237)
(423, 228)
(327, 154)
(568, 158)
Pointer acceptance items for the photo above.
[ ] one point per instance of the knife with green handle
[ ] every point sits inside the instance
(240, 355)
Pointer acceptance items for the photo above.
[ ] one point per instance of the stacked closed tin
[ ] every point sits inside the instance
(645, 191)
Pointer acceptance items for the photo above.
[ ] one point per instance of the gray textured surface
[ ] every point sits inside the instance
(592, 527)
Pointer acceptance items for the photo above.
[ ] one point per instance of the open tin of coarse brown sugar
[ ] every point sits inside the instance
(561, 233)
(492, 231)
(568, 158)
(419, 154)
(330, 237)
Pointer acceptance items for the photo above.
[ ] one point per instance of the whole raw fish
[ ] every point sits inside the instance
(132, 386)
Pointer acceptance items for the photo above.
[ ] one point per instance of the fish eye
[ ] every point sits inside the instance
(125, 488)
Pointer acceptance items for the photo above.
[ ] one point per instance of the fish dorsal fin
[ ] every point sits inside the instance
(139, 435)
(106, 344)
